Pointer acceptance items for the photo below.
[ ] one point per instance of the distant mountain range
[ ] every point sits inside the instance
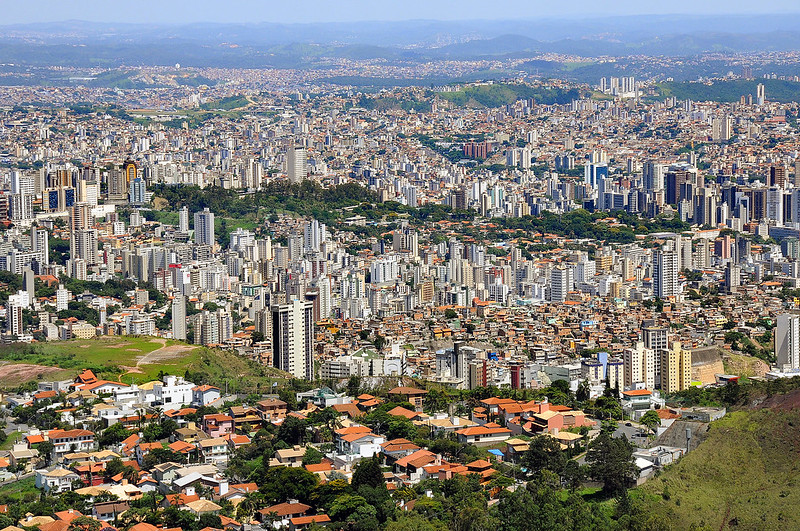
(86, 44)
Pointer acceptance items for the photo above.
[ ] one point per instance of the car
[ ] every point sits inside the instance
(628, 424)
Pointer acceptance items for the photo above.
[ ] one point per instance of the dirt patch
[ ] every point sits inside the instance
(23, 372)
(790, 400)
(164, 353)
(133, 349)
(129, 370)
(745, 365)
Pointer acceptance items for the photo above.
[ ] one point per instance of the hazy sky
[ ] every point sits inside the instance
(185, 11)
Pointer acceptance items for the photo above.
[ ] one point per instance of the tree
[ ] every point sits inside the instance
(174, 517)
(281, 483)
(544, 453)
(574, 474)
(114, 434)
(312, 456)
(368, 472)
(413, 522)
(651, 419)
(346, 505)
(84, 523)
(379, 342)
(582, 393)
(353, 385)
(292, 431)
(209, 520)
(611, 461)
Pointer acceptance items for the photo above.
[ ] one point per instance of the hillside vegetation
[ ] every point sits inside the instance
(728, 91)
(745, 475)
(499, 94)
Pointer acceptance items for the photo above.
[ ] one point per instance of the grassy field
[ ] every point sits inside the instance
(12, 439)
(132, 360)
(24, 490)
(745, 475)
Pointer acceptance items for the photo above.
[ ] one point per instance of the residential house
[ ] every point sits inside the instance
(218, 425)
(109, 511)
(214, 450)
(56, 480)
(412, 466)
(291, 457)
(245, 416)
(278, 516)
(485, 435)
(358, 441)
(272, 409)
(410, 394)
(204, 395)
(70, 441)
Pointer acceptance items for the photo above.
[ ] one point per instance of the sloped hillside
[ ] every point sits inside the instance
(745, 475)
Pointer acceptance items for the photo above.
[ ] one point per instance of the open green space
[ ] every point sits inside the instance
(23, 490)
(745, 475)
(136, 360)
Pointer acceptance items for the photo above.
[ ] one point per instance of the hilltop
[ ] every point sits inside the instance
(744, 474)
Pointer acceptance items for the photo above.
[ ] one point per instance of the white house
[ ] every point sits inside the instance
(214, 450)
(203, 395)
(56, 480)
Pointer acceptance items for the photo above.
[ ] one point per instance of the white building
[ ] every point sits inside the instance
(787, 342)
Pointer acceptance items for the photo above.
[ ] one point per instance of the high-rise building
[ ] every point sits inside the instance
(653, 176)
(314, 235)
(787, 341)
(40, 243)
(179, 316)
(296, 167)
(777, 176)
(561, 283)
(761, 94)
(137, 192)
(20, 207)
(83, 246)
(14, 306)
(665, 273)
(293, 338)
(28, 283)
(639, 366)
(676, 368)
(80, 217)
(721, 129)
(117, 185)
(183, 220)
(63, 297)
(204, 227)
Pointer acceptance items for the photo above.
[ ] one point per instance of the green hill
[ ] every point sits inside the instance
(730, 91)
(745, 475)
(499, 94)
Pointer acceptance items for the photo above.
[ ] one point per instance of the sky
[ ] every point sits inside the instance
(298, 11)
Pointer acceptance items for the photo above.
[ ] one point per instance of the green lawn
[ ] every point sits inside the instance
(109, 357)
(104, 351)
(11, 440)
